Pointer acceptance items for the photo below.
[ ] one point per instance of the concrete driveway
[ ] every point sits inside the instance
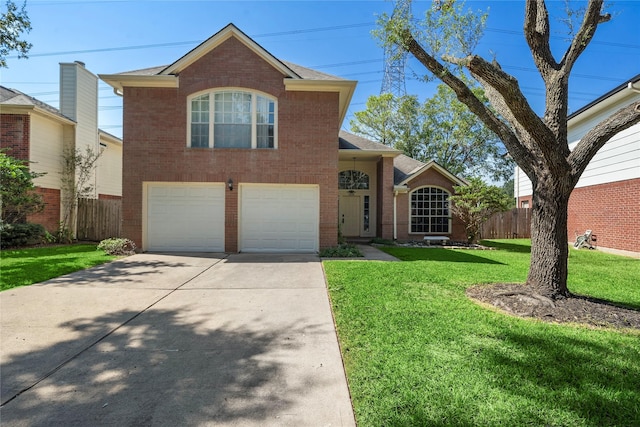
(180, 340)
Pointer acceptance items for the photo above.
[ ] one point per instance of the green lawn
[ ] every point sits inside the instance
(419, 353)
(21, 267)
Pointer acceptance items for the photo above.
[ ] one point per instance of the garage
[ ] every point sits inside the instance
(185, 217)
(279, 218)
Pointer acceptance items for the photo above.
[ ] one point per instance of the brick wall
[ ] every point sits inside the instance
(428, 178)
(50, 217)
(109, 197)
(611, 210)
(384, 227)
(155, 146)
(15, 135)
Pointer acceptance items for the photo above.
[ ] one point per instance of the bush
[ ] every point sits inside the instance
(381, 241)
(344, 250)
(15, 235)
(117, 246)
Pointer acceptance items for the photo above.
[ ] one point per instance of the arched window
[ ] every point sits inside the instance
(430, 210)
(353, 180)
(232, 119)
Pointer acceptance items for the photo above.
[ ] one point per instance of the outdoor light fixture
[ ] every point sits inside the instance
(230, 184)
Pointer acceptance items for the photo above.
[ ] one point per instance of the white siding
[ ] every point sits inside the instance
(46, 147)
(617, 160)
(79, 101)
(110, 170)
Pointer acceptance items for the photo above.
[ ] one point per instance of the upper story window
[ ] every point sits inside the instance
(353, 180)
(232, 119)
(430, 211)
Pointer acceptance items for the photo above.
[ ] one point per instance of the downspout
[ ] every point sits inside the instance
(397, 189)
(630, 86)
(395, 215)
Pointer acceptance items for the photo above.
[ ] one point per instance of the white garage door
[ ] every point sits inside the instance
(279, 218)
(185, 217)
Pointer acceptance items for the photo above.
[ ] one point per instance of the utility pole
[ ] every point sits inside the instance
(395, 58)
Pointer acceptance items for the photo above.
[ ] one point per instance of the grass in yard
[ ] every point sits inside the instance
(21, 267)
(418, 352)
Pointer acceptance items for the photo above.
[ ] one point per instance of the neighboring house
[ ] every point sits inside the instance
(606, 198)
(231, 149)
(36, 132)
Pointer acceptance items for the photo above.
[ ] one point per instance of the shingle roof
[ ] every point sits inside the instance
(16, 98)
(349, 141)
(308, 73)
(304, 72)
(403, 167)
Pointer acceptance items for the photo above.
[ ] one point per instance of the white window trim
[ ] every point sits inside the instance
(410, 215)
(254, 113)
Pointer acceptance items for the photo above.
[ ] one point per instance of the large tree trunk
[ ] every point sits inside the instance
(549, 243)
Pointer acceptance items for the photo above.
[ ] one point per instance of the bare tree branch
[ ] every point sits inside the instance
(466, 96)
(537, 33)
(592, 18)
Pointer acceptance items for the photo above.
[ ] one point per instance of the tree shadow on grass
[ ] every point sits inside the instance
(584, 378)
(510, 247)
(521, 378)
(156, 368)
(439, 254)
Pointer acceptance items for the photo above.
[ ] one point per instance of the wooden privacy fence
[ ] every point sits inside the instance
(98, 219)
(513, 224)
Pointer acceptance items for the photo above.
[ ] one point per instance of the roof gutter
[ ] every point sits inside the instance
(631, 87)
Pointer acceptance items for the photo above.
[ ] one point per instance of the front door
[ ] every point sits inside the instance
(350, 215)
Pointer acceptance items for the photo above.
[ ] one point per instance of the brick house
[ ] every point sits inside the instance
(606, 198)
(231, 149)
(38, 133)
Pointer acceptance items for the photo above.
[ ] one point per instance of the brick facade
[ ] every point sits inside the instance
(109, 197)
(611, 211)
(428, 178)
(15, 135)
(385, 198)
(155, 147)
(50, 217)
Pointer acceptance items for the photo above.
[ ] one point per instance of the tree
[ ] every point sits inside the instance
(444, 43)
(475, 203)
(78, 170)
(442, 129)
(18, 197)
(13, 23)
(391, 121)
(456, 139)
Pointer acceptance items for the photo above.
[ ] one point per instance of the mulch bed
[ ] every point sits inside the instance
(517, 300)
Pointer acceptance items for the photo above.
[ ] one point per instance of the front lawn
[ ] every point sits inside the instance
(418, 352)
(21, 267)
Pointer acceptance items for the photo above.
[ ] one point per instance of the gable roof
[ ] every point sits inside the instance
(425, 167)
(216, 40)
(12, 100)
(405, 168)
(295, 77)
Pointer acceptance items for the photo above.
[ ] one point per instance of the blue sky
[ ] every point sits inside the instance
(112, 36)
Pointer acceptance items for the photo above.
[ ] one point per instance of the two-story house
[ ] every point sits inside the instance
(231, 149)
(40, 134)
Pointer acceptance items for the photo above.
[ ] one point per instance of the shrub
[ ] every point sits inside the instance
(344, 250)
(381, 241)
(117, 246)
(15, 235)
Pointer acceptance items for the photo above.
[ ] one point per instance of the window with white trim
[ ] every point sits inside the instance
(430, 210)
(232, 119)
